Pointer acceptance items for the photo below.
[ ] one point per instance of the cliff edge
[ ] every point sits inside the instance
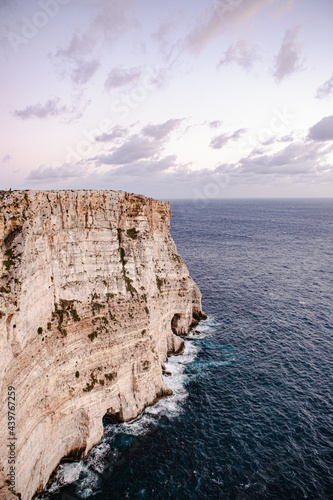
(93, 296)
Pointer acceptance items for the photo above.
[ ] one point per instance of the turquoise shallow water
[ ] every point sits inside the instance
(251, 418)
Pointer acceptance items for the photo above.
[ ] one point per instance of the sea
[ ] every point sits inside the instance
(251, 417)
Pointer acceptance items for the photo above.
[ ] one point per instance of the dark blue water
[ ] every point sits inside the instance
(252, 415)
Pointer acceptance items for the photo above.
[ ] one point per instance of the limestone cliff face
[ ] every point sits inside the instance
(92, 297)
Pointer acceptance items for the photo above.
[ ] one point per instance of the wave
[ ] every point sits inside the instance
(87, 474)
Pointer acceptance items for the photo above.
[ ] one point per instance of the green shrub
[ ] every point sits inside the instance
(65, 308)
(176, 258)
(159, 282)
(40, 330)
(132, 233)
(110, 376)
(8, 264)
(95, 306)
(77, 374)
(93, 335)
(89, 387)
(129, 287)
(145, 365)
(75, 315)
(10, 259)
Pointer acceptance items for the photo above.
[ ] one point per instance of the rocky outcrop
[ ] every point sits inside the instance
(93, 296)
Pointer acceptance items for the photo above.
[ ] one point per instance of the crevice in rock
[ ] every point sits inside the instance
(11, 237)
(174, 323)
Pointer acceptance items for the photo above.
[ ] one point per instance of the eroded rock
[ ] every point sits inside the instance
(91, 284)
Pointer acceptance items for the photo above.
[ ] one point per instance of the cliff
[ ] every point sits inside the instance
(93, 296)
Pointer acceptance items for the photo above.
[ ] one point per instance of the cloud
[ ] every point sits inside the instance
(242, 53)
(151, 178)
(72, 61)
(286, 138)
(80, 45)
(49, 173)
(165, 28)
(51, 107)
(323, 130)
(147, 144)
(84, 70)
(7, 158)
(135, 148)
(295, 159)
(162, 130)
(223, 14)
(221, 140)
(288, 60)
(297, 163)
(109, 20)
(119, 77)
(112, 18)
(116, 133)
(215, 124)
(45, 172)
(165, 36)
(144, 167)
(325, 89)
(273, 140)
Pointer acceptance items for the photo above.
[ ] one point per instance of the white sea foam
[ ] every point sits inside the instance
(172, 405)
(92, 467)
(94, 458)
(88, 484)
(67, 474)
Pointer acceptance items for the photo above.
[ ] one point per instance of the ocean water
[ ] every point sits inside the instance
(252, 414)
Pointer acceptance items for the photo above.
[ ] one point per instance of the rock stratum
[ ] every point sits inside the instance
(93, 298)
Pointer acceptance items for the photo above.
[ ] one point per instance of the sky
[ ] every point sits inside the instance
(179, 99)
